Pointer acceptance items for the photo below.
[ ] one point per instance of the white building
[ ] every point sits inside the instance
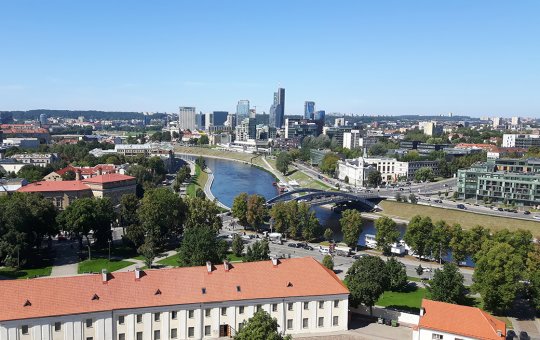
(354, 139)
(431, 128)
(440, 320)
(497, 121)
(179, 303)
(37, 159)
(520, 141)
(355, 170)
(186, 118)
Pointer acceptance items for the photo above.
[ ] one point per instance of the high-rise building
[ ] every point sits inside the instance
(42, 119)
(186, 118)
(515, 121)
(219, 117)
(497, 121)
(277, 110)
(309, 110)
(200, 121)
(231, 120)
(242, 110)
(320, 115)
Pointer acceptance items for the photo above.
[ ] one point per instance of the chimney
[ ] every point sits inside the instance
(104, 276)
(138, 273)
(499, 333)
(226, 265)
(422, 311)
(274, 261)
(99, 171)
(209, 267)
(78, 175)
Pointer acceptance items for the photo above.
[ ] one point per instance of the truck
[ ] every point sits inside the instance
(276, 238)
(342, 251)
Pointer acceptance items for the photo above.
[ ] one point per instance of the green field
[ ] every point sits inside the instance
(234, 258)
(13, 273)
(245, 157)
(171, 261)
(409, 300)
(303, 180)
(197, 181)
(466, 219)
(95, 266)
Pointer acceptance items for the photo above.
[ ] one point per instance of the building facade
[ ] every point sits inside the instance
(520, 141)
(309, 110)
(277, 110)
(186, 118)
(37, 159)
(179, 303)
(242, 109)
(300, 128)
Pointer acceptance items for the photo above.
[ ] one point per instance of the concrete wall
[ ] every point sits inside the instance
(403, 318)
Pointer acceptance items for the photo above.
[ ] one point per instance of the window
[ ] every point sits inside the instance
(174, 333)
(24, 329)
(157, 335)
(157, 316)
(121, 336)
(88, 323)
(241, 310)
(259, 307)
(57, 326)
(321, 304)
(223, 311)
(240, 326)
(436, 336)
(290, 306)
(207, 330)
(207, 312)
(306, 305)
(336, 303)
(321, 322)
(274, 307)
(174, 314)
(335, 321)
(139, 318)
(191, 332)
(289, 323)
(190, 313)
(89, 338)
(305, 322)
(121, 319)
(139, 336)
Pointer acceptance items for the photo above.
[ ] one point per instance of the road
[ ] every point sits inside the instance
(341, 263)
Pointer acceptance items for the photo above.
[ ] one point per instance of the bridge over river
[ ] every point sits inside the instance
(315, 197)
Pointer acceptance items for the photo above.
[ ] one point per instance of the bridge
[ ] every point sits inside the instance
(315, 197)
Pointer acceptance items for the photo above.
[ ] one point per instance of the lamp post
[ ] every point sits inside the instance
(89, 253)
(109, 250)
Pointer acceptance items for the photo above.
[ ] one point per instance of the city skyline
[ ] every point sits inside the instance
(386, 58)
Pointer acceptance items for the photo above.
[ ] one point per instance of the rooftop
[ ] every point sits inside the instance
(22, 299)
(460, 320)
(108, 178)
(45, 186)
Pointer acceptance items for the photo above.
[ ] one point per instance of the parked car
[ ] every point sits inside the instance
(292, 245)
(460, 206)
(527, 212)
(359, 256)
(524, 335)
(301, 245)
(308, 247)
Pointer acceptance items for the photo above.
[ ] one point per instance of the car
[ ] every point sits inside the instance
(359, 256)
(527, 212)
(301, 245)
(324, 250)
(292, 245)
(400, 189)
(427, 270)
(307, 247)
(460, 206)
(524, 335)
(536, 217)
(476, 205)
(500, 209)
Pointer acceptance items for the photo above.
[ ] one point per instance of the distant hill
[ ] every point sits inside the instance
(90, 114)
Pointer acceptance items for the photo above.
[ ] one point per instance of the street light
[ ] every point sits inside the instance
(109, 250)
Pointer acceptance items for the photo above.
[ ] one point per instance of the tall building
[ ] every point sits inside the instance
(200, 121)
(520, 141)
(242, 110)
(320, 115)
(432, 129)
(277, 110)
(219, 117)
(231, 120)
(497, 121)
(309, 110)
(42, 119)
(515, 121)
(186, 118)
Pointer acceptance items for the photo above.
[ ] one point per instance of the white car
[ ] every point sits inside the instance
(324, 251)
(536, 217)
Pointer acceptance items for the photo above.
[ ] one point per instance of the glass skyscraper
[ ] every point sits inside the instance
(309, 110)
(242, 110)
(277, 110)
(320, 115)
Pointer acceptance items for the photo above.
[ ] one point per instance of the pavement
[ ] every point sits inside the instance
(67, 261)
(523, 318)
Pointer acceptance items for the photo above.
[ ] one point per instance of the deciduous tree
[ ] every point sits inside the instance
(366, 279)
(387, 233)
(237, 245)
(397, 275)
(240, 208)
(256, 211)
(417, 235)
(283, 161)
(351, 226)
(199, 245)
(260, 327)
(447, 284)
(202, 213)
(258, 251)
(328, 262)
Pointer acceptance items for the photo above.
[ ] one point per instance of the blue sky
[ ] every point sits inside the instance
(364, 57)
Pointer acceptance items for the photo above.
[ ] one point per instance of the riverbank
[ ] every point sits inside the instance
(198, 181)
(208, 191)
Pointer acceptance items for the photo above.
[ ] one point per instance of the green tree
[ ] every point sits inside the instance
(387, 233)
(33, 173)
(328, 262)
(68, 176)
(417, 234)
(328, 234)
(129, 203)
(258, 251)
(378, 149)
(203, 140)
(202, 213)
(201, 162)
(413, 199)
(279, 216)
(283, 161)
(439, 239)
(424, 175)
(374, 179)
(329, 163)
(475, 238)
(240, 208)
(458, 244)
(351, 226)
(199, 245)
(397, 275)
(419, 270)
(534, 288)
(256, 211)
(148, 251)
(237, 245)
(260, 327)
(366, 279)
(447, 284)
(497, 274)
(308, 222)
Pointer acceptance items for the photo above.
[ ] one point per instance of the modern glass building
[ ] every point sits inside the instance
(242, 110)
(320, 115)
(219, 118)
(309, 110)
(277, 110)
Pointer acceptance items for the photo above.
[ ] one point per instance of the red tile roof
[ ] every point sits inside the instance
(87, 171)
(257, 280)
(460, 320)
(487, 147)
(46, 186)
(108, 178)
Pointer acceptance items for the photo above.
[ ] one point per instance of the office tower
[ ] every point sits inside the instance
(231, 120)
(42, 119)
(242, 110)
(320, 115)
(515, 121)
(219, 118)
(277, 110)
(497, 121)
(186, 118)
(309, 110)
(200, 121)
(208, 120)
(252, 113)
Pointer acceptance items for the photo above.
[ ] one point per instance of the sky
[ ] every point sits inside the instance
(363, 57)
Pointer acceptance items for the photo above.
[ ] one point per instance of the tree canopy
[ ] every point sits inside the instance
(351, 226)
(447, 284)
(366, 279)
(387, 233)
(260, 327)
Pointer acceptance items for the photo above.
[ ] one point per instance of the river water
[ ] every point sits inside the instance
(232, 178)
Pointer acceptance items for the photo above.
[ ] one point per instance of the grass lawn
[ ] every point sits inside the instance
(246, 157)
(409, 300)
(95, 266)
(466, 219)
(171, 261)
(25, 273)
(414, 279)
(233, 258)
(197, 181)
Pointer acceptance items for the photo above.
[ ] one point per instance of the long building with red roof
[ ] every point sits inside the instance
(181, 303)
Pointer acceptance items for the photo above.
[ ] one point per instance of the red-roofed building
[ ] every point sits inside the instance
(440, 320)
(25, 131)
(486, 147)
(84, 171)
(179, 303)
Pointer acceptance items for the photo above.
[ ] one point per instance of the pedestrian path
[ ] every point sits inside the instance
(66, 262)
(140, 263)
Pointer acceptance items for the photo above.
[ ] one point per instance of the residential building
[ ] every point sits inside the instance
(520, 141)
(309, 110)
(37, 159)
(26, 131)
(354, 140)
(497, 122)
(300, 128)
(111, 186)
(11, 185)
(231, 121)
(24, 143)
(441, 321)
(10, 165)
(336, 133)
(506, 153)
(432, 128)
(211, 301)
(83, 171)
(515, 121)
(247, 129)
(277, 110)
(186, 118)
